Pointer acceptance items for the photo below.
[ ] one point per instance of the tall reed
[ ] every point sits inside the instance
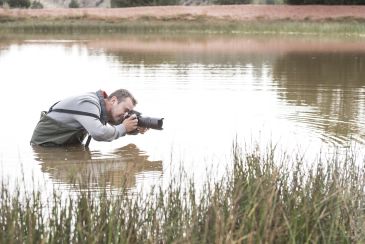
(261, 199)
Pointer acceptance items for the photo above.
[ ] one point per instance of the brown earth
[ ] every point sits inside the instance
(222, 12)
(230, 45)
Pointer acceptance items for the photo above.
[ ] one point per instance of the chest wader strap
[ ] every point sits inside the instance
(69, 111)
(88, 141)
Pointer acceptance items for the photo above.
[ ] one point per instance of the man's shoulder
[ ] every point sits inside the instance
(83, 101)
(90, 97)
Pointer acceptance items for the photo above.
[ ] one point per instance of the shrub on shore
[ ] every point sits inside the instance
(136, 3)
(74, 4)
(36, 5)
(18, 3)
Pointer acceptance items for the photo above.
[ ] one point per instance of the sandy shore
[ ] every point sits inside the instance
(222, 45)
(226, 12)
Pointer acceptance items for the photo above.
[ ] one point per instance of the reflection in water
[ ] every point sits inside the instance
(322, 81)
(80, 167)
(331, 84)
(295, 91)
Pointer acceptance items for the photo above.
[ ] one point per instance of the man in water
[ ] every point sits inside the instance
(101, 116)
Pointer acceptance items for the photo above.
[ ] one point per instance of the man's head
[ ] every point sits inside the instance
(118, 104)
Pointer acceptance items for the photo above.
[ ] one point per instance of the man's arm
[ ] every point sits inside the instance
(98, 131)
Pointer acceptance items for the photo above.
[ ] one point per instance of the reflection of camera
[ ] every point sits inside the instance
(147, 122)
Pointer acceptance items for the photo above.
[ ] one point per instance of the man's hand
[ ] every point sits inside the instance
(142, 130)
(130, 123)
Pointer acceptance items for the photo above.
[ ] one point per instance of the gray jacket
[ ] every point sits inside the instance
(61, 127)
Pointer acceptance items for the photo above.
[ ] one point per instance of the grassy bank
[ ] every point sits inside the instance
(176, 26)
(259, 200)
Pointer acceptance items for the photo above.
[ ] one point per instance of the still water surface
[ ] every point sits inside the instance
(303, 95)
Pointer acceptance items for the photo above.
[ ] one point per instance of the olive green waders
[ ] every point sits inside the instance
(50, 132)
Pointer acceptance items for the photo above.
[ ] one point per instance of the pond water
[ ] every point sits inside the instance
(303, 95)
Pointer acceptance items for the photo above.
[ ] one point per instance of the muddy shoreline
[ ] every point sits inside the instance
(214, 12)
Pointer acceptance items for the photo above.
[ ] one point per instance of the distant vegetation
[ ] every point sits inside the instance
(18, 3)
(21, 4)
(135, 3)
(74, 4)
(231, 1)
(327, 2)
(36, 5)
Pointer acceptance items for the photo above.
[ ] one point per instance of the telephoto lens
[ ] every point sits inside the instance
(148, 122)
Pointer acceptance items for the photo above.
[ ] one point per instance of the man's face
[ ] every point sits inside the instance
(119, 110)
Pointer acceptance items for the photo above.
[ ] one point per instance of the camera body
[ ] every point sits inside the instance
(146, 122)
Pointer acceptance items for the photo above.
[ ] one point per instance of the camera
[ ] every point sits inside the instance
(147, 122)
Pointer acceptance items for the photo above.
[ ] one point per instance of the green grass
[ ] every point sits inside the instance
(177, 26)
(259, 200)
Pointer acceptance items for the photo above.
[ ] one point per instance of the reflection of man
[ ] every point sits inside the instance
(77, 164)
(101, 116)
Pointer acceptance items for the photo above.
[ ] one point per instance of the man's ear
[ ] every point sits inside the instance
(114, 100)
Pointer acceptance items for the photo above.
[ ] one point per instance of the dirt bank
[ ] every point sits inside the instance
(222, 45)
(227, 12)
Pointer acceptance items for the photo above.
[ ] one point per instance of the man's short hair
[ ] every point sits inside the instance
(122, 94)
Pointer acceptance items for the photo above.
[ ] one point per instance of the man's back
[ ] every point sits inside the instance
(69, 120)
